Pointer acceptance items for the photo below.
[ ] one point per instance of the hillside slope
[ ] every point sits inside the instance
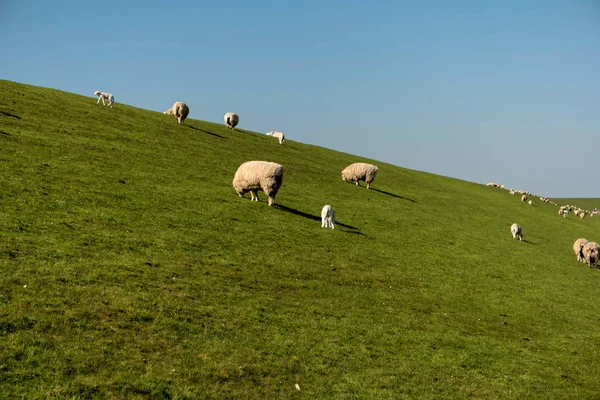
(129, 268)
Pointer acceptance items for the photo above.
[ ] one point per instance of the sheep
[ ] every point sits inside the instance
(278, 135)
(231, 120)
(582, 215)
(360, 172)
(516, 231)
(524, 198)
(591, 253)
(105, 96)
(578, 248)
(564, 212)
(253, 176)
(180, 110)
(328, 217)
(530, 202)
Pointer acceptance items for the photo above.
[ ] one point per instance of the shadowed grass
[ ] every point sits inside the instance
(129, 268)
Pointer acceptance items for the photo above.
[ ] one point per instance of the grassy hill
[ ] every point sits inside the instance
(129, 268)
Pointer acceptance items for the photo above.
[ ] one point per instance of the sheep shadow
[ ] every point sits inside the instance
(528, 242)
(202, 130)
(10, 115)
(393, 195)
(314, 217)
(4, 133)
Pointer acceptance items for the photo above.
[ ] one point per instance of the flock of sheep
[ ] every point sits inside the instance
(588, 252)
(266, 176)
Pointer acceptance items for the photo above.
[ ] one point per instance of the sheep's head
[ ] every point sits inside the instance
(97, 93)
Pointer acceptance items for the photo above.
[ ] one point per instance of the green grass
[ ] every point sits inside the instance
(129, 268)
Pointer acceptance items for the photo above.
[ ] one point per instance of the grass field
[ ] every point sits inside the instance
(129, 268)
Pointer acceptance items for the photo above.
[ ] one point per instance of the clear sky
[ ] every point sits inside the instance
(504, 91)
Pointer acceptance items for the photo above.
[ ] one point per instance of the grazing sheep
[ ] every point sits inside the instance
(105, 96)
(328, 217)
(524, 198)
(278, 135)
(231, 120)
(564, 212)
(591, 253)
(578, 248)
(516, 231)
(180, 110)
(582, 215)
(360, 172)
(530, 202)
(253, 176)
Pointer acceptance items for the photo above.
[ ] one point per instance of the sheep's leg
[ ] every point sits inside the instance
(271, 201)
(99, 98)
(368, 185)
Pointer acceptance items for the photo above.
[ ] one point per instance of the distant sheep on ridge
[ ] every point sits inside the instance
(278, 135)
(231, 120)
(180, 110)
(105, 96)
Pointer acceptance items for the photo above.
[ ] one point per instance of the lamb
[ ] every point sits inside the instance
(578, 248)
(180, 110)
(231, 120)
(516, 231)
(530, 202)
(360, 172)
(328, 217)
(278, 135)
(253, 176)
(105, 96)
(591, 253)
(524, 198)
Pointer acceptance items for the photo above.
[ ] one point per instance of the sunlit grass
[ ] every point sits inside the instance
(129, 268)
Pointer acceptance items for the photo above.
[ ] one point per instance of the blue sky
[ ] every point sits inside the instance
(505, 91)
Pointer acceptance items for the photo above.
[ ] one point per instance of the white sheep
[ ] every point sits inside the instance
(591, 253)
(516, 231)
(328, 217)
(530, 202)
(524, 198)
(253, 176)
(578, 248)
(360, 172)
(231, 120)
(105, 96)
(180, 110)
(278, 135)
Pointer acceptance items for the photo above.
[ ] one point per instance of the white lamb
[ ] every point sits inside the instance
(231, 120)
(278, 135)
(105, 96)
(180, 110)
(516, 231)
(253, 176)
(360, 172)
(530, 202)
(328, 217)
